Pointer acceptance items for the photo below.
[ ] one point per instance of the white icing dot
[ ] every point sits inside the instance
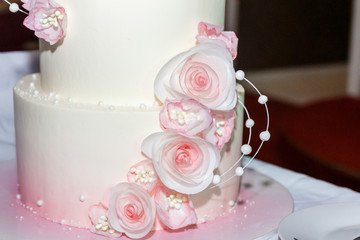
(18, 196)
(265, 136)
(263, 99)
(156, 104)
(240, 75)
(142, 106)
(111, 108)
(56, 101)
(249, 123)
(32, 85)
(203, 220)
(62, 221)
(246, 149)
(36, 92)
(70, 99)
(82, 198)
(14, 7)
(239, 171)
(40, 203)
(231, 203)
(101, 103)
(216, 179)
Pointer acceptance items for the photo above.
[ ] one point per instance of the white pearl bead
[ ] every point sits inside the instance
(240, 75)
(216, 179)
(111, 108)
(249, 123)
(263, 99)
(82, 198)
(142, 106)
(63, 221)
(18, 196)
(14, 7)
(265, 136)
(40, 203)
(239, 171)
(246, 149)
(231, 203)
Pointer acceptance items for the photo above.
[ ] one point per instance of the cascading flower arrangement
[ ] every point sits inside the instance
(46, 18)
(197, 89)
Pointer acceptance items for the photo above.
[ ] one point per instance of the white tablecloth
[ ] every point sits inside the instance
(305, 190)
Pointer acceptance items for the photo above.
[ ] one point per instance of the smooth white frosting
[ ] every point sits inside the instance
(68, 150)
(113, 50)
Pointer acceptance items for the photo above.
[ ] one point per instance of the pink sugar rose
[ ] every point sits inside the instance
(184, 164)
(131, 210)
(47, 18)
(174, 209)
(143, 173)
(186, 116)
(99, 219)
(220, 131)
(215, 34)
(204, 73)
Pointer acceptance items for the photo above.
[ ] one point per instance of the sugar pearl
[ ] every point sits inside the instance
(216, 179)
(240, 75)
(14, 7)
(263, 99)
(18, 196)
(62, 221)
(142, 106)
(265, 135)
(231, 203)
(246, 149)
(239, 171)
(249, 123)
(40, 203)
(82, 198)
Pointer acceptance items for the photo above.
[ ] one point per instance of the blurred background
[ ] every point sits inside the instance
(301, 54)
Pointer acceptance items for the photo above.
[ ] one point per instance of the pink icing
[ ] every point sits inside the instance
(212, 33)
(204, 73)
(186, 116)
(174, 210)
(143, 174)
(184, 164)
(131, 210)
(44, 10)
(220, 131)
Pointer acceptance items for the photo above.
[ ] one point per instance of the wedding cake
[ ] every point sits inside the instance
(134, 116)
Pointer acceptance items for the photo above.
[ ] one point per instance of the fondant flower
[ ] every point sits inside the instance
(215, 34)
(186, 116)
(204, 73)
(131, 210)
(175, 210)
(47, 18)
(98, 216)
(143, 173)
(184, 164)
(220, 131)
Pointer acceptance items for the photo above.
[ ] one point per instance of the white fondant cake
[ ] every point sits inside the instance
(81, 122)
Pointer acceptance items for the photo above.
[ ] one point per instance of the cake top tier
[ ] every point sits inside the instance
(113, 50)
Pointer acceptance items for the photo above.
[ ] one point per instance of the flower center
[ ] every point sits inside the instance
(220, 127)
(131, 212)
(51, 19)
(175, 202)
(183, 117)
(183, 157)
(143, 176)
(103, 225)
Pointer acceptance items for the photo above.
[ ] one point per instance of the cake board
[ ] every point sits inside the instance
(262, 204)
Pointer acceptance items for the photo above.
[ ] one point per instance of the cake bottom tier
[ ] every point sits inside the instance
(70, 153)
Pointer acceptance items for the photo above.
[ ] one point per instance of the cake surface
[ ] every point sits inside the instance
(81, 122)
